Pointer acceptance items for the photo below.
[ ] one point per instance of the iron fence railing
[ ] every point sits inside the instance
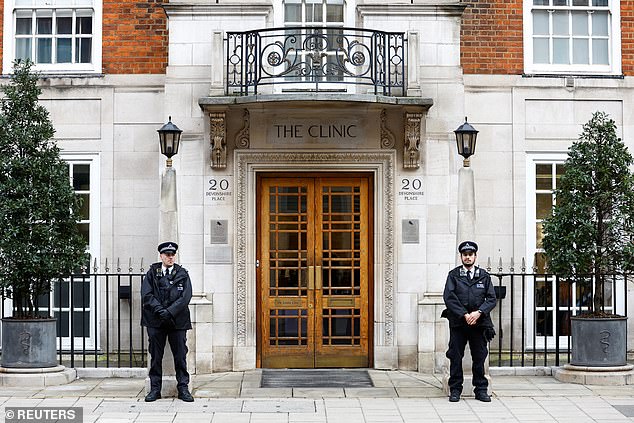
(315, 59)
(98, 318)
(98, 315)
(532, 316)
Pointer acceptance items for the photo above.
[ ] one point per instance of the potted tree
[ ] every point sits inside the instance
(590, 237)
(40, 241)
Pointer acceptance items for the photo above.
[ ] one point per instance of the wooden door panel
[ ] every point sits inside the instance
(342, 301)
(287, 322)
(314, 274)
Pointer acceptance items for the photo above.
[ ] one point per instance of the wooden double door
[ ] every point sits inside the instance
(314, 250)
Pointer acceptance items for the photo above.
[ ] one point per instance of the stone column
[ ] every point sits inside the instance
(168, 231)
(217, 86)
(168, 219)
(465, 231)
(466, 208)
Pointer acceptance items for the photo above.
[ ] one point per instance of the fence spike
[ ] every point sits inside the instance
(130, 265)
(512, 267)
(523, 268)
(95, 267)
(500, 265)
(489, 264)
(141, 264)
(118, 265)
(107, 268)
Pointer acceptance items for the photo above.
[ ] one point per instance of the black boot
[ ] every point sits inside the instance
(153, 395)
(183, 394)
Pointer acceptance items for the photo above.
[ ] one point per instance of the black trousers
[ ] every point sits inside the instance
(178, 344)
(458, 338)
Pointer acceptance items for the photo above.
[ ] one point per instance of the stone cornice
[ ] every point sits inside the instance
(424, 103)
(448, 9)
(206, 9)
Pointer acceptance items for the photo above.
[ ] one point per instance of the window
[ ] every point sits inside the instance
(313, 13)
(316, 49)
(572, 36)
(58, 36)
(328, 14)
(553, 303)
(73, 300)
(546, 177)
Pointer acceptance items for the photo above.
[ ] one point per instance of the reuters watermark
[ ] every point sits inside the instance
(43, 414)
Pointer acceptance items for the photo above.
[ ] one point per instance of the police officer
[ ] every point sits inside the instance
(165, 293)
(469, 297)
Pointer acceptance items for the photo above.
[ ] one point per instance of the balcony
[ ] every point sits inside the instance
(315, 59)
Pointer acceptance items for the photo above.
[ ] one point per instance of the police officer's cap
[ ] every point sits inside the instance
(468, 246)
(168, 247)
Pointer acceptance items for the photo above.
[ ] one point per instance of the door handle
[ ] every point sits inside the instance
(311, 278)
(318, 277)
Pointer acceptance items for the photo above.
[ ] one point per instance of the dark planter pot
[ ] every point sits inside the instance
(28, 343)
(599, 342)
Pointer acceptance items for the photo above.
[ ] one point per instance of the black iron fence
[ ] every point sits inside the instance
(98, 318)
(533, 312)
(315, 59)
(98, 315)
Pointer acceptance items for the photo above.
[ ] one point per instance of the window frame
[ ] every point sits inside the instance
(548, 340)
(9, 40)
(279, 10)
(94, 320)
(614, 43)
(349, 7)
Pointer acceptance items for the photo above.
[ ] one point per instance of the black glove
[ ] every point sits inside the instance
(164, 314)
(489, 334)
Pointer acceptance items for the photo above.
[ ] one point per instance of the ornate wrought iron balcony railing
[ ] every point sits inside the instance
(315, 59)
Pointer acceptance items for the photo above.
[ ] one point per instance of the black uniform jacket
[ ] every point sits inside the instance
(172, 292)
(463, 295)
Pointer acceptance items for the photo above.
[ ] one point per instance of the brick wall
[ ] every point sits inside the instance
(627, 37)
(135, 38)
(492, 37)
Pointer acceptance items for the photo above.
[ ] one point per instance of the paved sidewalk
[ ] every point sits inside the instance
(398, 396)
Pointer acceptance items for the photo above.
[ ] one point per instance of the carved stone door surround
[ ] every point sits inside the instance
(250, 162)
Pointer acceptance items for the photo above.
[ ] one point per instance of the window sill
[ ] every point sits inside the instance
(572, 75)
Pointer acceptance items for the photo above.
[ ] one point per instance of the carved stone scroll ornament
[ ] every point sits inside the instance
(387, 137)
(243, 137)
(411, 149)
(217, 138)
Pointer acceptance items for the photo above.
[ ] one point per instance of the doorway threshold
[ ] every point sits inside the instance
(316, 378)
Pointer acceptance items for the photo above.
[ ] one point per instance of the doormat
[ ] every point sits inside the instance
(326, 378)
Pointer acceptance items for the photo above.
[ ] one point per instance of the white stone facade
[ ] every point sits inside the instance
(115, 117)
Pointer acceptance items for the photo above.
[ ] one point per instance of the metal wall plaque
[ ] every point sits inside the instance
(219, 231)
(218, 254)
(410, 232)
(288, 302)
(340, 302)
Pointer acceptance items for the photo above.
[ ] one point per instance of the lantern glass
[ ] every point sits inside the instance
(169, 139)
(466, 136)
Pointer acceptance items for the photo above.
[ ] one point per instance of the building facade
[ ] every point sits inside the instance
(318, 171)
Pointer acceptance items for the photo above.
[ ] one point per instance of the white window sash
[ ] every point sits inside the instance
(78, 8)
(614, 42)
